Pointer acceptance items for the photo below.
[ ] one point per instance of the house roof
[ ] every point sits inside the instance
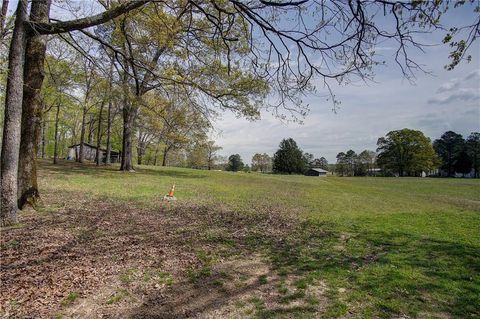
(318, 170)
(95, 147)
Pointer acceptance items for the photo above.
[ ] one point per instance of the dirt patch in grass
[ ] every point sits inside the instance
(90, 259)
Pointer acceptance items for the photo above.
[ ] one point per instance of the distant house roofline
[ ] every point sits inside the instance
(320, 170)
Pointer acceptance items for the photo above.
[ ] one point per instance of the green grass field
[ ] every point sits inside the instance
(379, 247)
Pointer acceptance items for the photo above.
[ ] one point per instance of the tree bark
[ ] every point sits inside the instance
(40, 136)
(32, 108)
(156, 155)
(91, 129)
(99, 136)
(109, 133)
(209, 160)
(82, 135)
(83, 23)
(44, 138)
(165, 151)
(3, 15)
(13, 119)
(109, 112)
(55, 149)
(128, 125)
(140, 148)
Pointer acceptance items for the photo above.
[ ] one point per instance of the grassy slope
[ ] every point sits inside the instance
(385, 246)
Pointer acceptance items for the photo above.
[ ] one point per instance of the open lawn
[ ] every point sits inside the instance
(240, 245)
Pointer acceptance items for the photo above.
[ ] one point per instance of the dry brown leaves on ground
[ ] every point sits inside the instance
(99, 259)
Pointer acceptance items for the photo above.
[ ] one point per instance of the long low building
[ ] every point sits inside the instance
(90, 153)
(316, 172)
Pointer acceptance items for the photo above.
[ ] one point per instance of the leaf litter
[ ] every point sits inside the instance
(83, 258)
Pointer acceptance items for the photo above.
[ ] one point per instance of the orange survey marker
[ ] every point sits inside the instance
(170, 196)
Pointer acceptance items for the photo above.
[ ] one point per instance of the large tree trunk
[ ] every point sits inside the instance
(109, 133)
(139, 155)
(140, 148)
(13, 119)
(32, 108)
(55, 149)
(156, 155)
(109, 112)
(209, 161)
(82, 136)
(129, 114)
(165, 152)
(44, 134)
(99, 136)
(40, 137)
(91, 129)
(3, 15)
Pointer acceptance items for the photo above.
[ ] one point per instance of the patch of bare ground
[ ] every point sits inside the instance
(78, 258)
(238, 288)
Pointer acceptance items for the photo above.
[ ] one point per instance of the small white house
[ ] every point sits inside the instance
(90, 153)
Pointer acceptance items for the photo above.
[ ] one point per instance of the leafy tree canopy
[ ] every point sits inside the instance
(406, 152)
(289, 158)
(235, 163)
(448, 147)
(261, 162)
(473, 150)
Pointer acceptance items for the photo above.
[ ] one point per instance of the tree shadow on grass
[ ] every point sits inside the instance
(417, 275)
(397, 273)
(213, 294)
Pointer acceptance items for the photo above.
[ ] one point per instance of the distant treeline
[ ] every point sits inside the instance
(403, 152)
(289, 159)
(409, 152)
(353, 164)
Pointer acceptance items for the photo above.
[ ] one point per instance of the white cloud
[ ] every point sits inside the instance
(465, 89)
(460, 95)
(474, 75)
(449, 86)
(468, 80)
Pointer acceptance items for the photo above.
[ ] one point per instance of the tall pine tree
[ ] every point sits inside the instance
(289, 158)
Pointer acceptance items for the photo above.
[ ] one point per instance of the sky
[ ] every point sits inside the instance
(436, 102)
